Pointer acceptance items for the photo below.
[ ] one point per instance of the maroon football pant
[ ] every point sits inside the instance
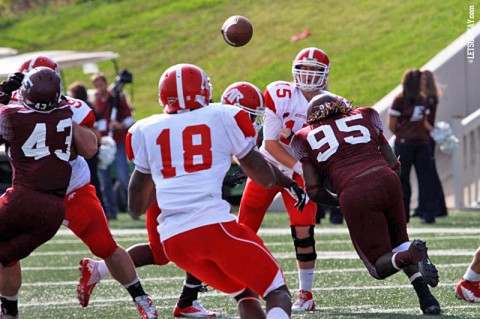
(27, 220)
(373, 208)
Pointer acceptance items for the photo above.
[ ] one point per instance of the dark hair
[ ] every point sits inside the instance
(79, 91)
(430, 87)
(412, 86)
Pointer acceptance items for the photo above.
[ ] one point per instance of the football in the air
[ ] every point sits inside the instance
(237, 31)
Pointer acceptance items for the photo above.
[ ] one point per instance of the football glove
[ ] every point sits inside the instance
(300, 194)
(13, 82)
(235, 179)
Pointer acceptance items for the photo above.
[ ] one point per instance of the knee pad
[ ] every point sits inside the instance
(304, 243)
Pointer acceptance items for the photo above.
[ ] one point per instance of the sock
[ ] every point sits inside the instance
(277, 313)
(305, 279)
(414, 276)
(470, 275)
(9, 305)
(135, 288)
(102, 269)
(188, 295)
(421, 287)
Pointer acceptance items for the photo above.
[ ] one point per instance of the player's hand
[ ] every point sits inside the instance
(13, 82)
(235, 179)
(300, 194)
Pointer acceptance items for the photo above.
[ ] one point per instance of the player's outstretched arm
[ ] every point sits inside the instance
(258, 169)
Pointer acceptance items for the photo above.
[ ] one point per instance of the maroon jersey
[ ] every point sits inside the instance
(410, 124)
(342, 146)
(38, 146)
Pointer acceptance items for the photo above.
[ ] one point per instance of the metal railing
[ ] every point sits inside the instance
(466, 162)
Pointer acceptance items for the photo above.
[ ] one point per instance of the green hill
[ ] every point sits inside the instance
(370, 43)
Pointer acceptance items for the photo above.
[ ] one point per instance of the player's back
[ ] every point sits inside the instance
(188, 155)
(38, 146)
(344, 146)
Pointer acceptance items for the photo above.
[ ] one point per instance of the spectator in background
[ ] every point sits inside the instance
(432, 93)
(115, 119)
(78, 90)
(408, 121)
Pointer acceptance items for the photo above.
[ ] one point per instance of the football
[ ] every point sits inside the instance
(237, 31)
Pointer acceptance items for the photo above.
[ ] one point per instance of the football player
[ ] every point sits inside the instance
(248, 97)
(347, 147)
(468, 288)
(286, 107)
(84, 213)
(228, 255)
(40, 136)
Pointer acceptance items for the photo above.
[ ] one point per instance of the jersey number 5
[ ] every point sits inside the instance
(331, 139)
(197, 150)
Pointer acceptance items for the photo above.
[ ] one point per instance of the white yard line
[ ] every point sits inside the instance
(318, 231)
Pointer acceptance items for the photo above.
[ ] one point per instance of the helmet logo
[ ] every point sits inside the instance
(172, 100)
(235, 96)
(27, 84)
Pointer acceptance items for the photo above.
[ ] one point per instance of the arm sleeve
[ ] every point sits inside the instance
(240, 132)
(6, 131)
(396, 108)
(374, 118)
(136, 149)
(271, 126)
(298, 147)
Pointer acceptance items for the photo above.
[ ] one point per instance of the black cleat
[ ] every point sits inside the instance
(427, 269)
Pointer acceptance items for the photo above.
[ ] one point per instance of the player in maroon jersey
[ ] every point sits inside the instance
(347, 147)
(39, 134)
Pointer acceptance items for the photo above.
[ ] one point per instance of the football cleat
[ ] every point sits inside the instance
(86, 284)
(304, 302)
(429, 272)
(146, 307)
(196, 310)
(468, 290)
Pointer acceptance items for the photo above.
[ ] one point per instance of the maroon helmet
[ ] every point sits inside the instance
(41, 89)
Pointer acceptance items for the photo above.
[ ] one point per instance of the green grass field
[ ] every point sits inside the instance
(370, 43)
(343, 287)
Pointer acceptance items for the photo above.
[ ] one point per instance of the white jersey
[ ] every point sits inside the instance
(286, 107)
(83, 115)
(188, 155)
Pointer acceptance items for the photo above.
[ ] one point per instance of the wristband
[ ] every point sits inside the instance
(297, 168)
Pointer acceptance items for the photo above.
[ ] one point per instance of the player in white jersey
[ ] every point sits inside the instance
(85, 216)
(182, 156)
(286, 104)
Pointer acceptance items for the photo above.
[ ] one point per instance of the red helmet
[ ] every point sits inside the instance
(248, 97)
(41, 89)
(312, 79)
(40, 60)
(183, 87)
